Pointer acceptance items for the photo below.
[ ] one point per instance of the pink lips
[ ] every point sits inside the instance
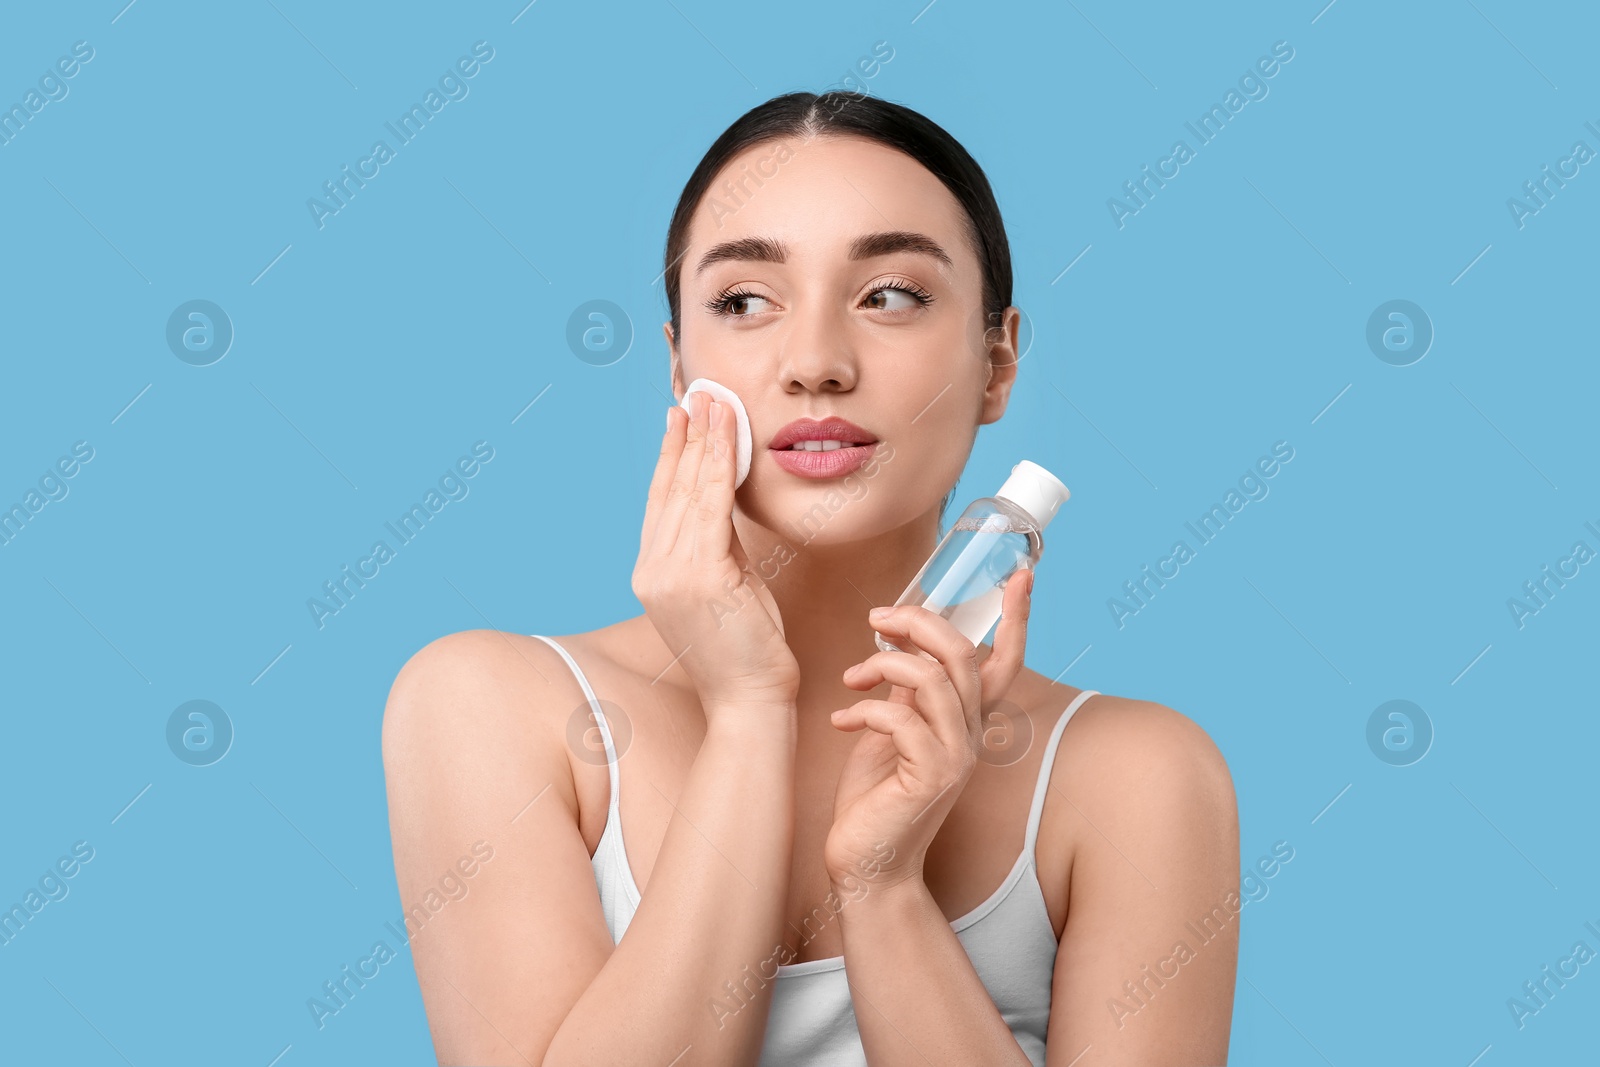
(834, 463)
(832, 428)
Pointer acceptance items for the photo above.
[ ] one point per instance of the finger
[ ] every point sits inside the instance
(1000, 669)
(934, 696)
(715, 488)
(913, 740)
(902, 643)
(943, 642)
(680, 491)
(666, 467)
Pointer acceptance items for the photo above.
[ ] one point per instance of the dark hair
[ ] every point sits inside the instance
(840, 113)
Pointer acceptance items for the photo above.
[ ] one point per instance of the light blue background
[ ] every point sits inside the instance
(1230, 313)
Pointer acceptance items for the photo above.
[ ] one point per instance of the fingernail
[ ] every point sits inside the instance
(1029, 594)
(669, 418)
(878, 614)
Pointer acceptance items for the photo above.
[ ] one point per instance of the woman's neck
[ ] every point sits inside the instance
(824, 592)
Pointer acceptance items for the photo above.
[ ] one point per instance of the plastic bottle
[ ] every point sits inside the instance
(964, 580)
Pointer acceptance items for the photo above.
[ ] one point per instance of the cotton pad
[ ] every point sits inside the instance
(742, 450)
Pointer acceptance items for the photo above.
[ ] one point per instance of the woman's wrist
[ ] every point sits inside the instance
(903, 900)
(753, 720)
(870, 876)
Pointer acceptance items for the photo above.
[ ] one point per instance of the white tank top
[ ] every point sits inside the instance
(1008, 938)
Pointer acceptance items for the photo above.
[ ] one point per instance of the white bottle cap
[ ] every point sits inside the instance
(1036, 491)
(742, 439)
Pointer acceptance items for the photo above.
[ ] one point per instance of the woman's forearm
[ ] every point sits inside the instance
(918, 999)
(692, 970)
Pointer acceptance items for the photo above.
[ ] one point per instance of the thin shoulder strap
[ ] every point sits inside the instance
(1037, 810)
(600, 720)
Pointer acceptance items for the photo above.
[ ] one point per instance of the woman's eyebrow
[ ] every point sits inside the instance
(887, 243)
(767, 250)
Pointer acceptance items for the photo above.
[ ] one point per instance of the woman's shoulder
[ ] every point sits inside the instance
(478, 697)
(467, 654)
(496, 679)
(1116, 743)
(481, 661)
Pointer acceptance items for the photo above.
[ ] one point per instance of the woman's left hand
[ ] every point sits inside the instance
(921, 743)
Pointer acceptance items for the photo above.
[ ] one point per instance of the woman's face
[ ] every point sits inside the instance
(834, 277)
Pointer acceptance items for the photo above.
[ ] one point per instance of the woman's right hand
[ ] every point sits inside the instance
(692, 576)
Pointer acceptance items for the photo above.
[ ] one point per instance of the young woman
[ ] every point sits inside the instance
(823, 863)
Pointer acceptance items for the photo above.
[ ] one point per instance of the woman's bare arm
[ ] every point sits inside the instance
(918, 998)
(521, 969)
(1145, 970)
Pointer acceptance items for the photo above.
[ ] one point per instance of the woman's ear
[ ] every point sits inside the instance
(676, 362)
(1000, 350)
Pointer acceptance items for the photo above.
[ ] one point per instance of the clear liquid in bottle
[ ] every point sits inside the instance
(996, 536)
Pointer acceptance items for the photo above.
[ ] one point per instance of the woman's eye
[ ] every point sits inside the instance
(740, 303)
(905, 299)
(734, 305)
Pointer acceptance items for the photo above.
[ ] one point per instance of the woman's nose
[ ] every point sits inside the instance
(818, 355)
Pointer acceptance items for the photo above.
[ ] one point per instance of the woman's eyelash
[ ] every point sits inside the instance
(911, 289)
(719, 304)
